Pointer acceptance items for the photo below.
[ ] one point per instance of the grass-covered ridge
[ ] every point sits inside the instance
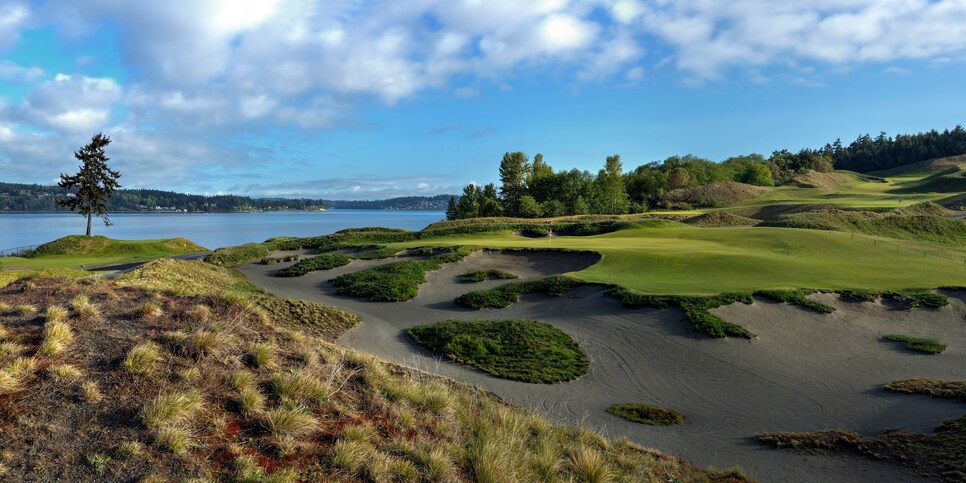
(928, 346)
(209, 388)
(96, 251)
(941, 455)
(520, 350)
(647, 414)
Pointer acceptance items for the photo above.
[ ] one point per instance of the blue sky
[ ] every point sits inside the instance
(361, 99)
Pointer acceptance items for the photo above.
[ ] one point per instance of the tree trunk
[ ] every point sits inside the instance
(90, 215)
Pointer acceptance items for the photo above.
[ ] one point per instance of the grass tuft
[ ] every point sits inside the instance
(25, 309)
(169, 409)
(64, 372)
(251, 401)
(150, 310)
(351, 455)
(174, 438)
(261, 355)
(646, 414)
(142, 358)
(90, 393)
(589, 465)
(57, 335)
(55, 313)
(300, 387)
(290, 422)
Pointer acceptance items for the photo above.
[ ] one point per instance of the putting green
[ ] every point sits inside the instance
(683, 260)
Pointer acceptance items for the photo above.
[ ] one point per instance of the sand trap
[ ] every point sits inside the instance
(805, 372)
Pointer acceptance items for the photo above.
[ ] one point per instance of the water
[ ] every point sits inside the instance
(210, 230)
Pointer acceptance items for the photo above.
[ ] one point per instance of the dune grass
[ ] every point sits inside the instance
(647, 414)
(394, 282)
(326, 261)
(520, 350)
(797, 297)
(482, 275)
(947, 389)
(928, 346)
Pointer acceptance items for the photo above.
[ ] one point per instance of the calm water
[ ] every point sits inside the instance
(211, 230)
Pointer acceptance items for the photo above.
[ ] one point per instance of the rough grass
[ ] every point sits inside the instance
(142, 358)
(326, 261)
(395, 282)
(940, 455)
(928, 346)
(955, 390)
(509, 294)
(98, 246)
(797, 297)
(520, 350)
(482, 275)
(918, 227)
(647, 414)
(423, 428)
(187, 278)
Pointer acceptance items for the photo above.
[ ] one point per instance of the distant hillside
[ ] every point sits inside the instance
(16, 197)
(403, 203)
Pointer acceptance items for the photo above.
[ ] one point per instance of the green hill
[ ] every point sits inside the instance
(95, 251)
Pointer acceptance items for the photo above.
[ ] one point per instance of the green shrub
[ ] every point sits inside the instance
(928, 346)
(238, 255)
(395, 282)
(481, 275)
(646, 414)
(520, 350)
(507, 295)
(326, 261)
(797, 297)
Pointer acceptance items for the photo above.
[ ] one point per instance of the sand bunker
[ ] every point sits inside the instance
(804, 372)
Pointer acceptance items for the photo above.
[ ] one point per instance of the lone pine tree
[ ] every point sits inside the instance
(93, 184)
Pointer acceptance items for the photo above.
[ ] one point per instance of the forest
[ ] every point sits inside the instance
(532, 189)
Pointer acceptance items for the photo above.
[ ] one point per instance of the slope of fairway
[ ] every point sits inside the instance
(678, 259)
(76, 250)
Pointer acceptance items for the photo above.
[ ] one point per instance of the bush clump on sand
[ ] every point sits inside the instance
(647, 414)
(955, 390)
(910, 298)
(520, 350)
(282, 259)
(238, 255)
(482, 275)
(797, 297)
(395, 282)
(929, 346)
(509, 294)
(325, 261)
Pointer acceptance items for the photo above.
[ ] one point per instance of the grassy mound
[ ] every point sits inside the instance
(482, 275)
(203, 388)
(100, 246)
(929, 346)
(919, 227)
(326, 261)
(716, 219)
(939, 455)
(395, 282)
(646, 414)
(834, 181)
(187, 278)
(238, 255)
(519, 350)
(714, 195)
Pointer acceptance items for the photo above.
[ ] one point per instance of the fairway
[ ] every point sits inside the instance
(684, 260)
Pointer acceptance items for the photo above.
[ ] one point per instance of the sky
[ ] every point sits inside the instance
(370, 99)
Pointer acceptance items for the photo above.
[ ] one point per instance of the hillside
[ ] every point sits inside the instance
(95, 251)
(216, 388)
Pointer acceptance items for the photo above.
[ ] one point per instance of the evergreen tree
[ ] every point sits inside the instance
(611, 196)
(93, 184)
(514, 170)
(451, 212)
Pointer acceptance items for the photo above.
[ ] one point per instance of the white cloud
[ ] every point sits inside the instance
(72, 104)
(13, 16)
(15, 74)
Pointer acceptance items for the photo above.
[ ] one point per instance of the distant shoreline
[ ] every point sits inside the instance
(213, 212)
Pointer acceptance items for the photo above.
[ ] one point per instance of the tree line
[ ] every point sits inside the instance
(531, 189)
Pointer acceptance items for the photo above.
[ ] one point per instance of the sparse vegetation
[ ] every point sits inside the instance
(797, 297)
(929, 346)
(326, 261)
(646, 414)
(521, 350)
(481, 275)
(955, 390)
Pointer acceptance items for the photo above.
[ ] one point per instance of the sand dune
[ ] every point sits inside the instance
(805, 371)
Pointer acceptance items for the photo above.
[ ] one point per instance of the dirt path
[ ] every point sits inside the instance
(805, 371)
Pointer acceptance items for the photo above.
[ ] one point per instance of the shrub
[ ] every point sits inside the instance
(317, 263)
(928, 346)
(646, 414)
(522, 350)
(479, 276)
(395, 282)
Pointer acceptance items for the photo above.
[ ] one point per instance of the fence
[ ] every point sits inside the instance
(18, 251)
